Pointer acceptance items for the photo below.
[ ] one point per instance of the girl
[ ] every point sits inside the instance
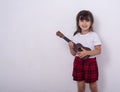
(85, 71)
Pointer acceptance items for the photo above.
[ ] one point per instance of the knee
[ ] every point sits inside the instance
(93, 87)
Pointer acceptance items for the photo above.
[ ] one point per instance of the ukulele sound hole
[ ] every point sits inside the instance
(79, 49)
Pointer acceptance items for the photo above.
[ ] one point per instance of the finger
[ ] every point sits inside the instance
(78, 52)
(82, 49)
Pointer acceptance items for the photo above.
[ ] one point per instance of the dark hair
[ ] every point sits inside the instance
(84, 15)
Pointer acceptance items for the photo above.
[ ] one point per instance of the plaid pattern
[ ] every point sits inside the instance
(86, 70)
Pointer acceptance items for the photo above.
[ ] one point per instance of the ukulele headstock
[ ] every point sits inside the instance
(61, 35)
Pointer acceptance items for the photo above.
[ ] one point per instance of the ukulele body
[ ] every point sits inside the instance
(78, 46)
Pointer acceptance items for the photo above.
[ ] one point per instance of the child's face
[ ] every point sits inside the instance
(84, 24)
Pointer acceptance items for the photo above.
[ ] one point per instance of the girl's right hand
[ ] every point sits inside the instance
(70, 44)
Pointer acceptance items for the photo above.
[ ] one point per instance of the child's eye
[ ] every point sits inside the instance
(87, 20)
(81, 20)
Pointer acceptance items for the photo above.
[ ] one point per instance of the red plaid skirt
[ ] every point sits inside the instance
(86, 70)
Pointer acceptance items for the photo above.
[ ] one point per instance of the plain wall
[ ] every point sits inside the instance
(34, 59)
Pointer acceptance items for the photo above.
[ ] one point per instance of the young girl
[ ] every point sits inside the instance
(85, 71)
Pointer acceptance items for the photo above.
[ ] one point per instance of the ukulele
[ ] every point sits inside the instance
(76, 47)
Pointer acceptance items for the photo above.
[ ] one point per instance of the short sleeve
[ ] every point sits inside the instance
(97, 40)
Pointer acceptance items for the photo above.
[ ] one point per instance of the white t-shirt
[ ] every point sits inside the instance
(89, 40)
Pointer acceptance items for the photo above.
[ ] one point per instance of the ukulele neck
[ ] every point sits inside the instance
(66, 39)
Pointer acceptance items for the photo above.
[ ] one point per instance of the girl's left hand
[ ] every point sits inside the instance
(82, 53)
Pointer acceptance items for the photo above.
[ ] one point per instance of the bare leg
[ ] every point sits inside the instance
(93, 87)
(81, 86)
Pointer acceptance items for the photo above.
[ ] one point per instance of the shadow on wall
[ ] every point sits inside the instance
(103, 61)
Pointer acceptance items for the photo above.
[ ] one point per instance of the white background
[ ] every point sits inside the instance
(34, 59)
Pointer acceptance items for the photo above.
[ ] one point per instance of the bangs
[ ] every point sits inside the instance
(85, 17)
